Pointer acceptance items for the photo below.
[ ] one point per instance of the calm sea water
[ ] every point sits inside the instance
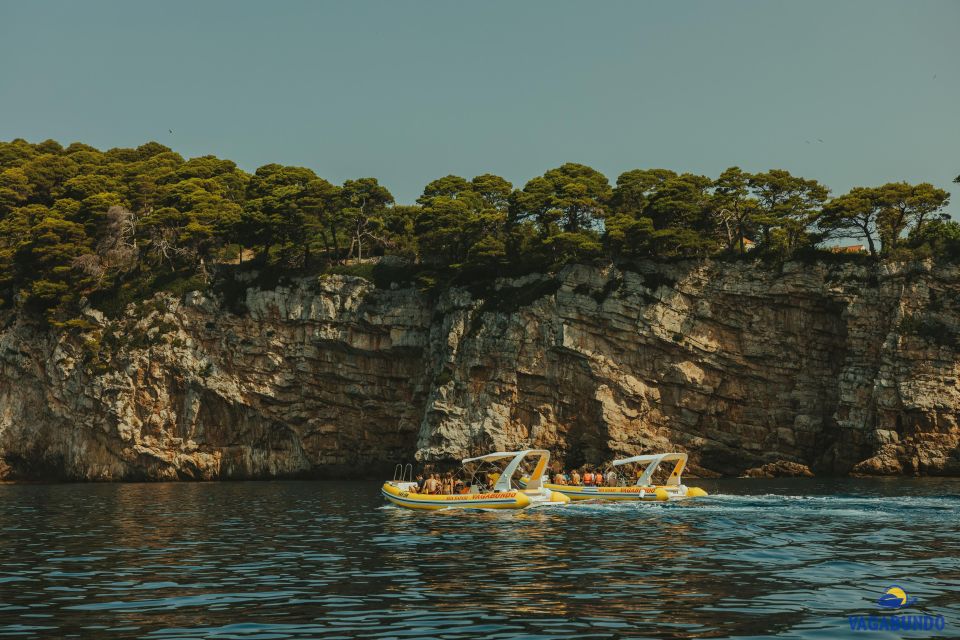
(251, 560)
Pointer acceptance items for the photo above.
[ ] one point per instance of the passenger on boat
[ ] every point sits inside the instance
(612, 479)
(448, 484)
(598, 478)
(588, 478)
(559, 478)
(420, 481)
(575, 477)
(432, 484)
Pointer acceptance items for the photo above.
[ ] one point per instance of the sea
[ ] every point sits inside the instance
(791, 558)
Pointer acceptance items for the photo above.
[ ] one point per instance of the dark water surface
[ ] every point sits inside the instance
(328, 559)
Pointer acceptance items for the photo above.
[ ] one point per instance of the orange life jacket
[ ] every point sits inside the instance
(588, 478)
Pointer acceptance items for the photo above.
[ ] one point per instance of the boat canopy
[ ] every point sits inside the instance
(652, 461)
(503, 482)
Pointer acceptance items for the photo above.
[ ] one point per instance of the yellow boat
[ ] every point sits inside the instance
(502, 495)
(643, 489)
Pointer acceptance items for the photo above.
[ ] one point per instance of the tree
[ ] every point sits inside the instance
(463, 222)
(451, 187)
(681, 211)
(734, 206)
(854, 215)
(493, 190)
(53, 244)
(362, 203)
(787, 202)
(905, 205)
(884, 213)
(319, 204)
(15, 189)
(14, 234)
(627, 236)
(942, 237)
(569, 198)
(442, 230)
(16, 153)
(566, 206)
(233, 181)
(144, 180)
(634, 188)
(271, 214)
(47, 173)
(681, 202)
(399, 237)
(627, 225)
(192, 218)
(117, 246)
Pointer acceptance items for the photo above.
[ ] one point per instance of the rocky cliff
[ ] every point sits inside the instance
(839, 368)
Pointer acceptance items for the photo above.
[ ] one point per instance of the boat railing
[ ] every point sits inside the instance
(403, 473)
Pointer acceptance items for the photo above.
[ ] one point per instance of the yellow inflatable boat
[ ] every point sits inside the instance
(643, 489)
(502, 495)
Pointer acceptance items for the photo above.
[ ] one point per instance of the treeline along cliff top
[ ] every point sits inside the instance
(79, 225)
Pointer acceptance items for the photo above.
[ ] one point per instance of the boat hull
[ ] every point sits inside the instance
(427, 502)
(620, 494)
(624, 494)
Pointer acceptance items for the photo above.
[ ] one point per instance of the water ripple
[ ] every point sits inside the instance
(325, 559)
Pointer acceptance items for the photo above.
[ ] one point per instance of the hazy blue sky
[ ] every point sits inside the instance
(410, 91)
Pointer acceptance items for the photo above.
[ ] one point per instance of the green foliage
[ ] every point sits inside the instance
(510, 299)
(786, 203)
(612, 285)
(884, 213)
(109, 228)
(937, 238)
(181, 286)
(444, 377)
(462, 224)
(363, 205)
(734, 208)
(364, 271)
(557, 217)
(569, 198)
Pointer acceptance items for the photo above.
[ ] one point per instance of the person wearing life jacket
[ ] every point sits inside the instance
(588, 478)
(598, 478)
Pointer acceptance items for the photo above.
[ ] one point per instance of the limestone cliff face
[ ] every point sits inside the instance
(836, 368)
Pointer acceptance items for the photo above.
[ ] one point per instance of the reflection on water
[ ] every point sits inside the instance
(312, 559)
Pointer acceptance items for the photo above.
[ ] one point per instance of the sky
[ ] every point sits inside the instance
(852, 93)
